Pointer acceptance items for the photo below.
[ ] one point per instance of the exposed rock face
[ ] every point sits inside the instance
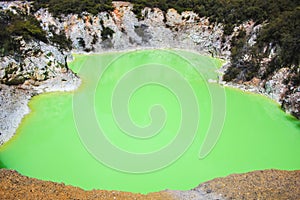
(276, 85)
(291, 103)
(37, 61)
(290, 98)
(281, 90)
(37, 67)
(154, 30)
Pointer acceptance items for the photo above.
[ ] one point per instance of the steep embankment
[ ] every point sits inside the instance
(122, 30)
(30, 64)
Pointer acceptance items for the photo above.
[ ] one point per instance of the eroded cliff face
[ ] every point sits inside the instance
(121, 30)
(35, 68)
(37, 62)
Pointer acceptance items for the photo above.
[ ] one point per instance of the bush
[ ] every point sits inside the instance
(62, 41)
(14, 26)
(106, 33)
(59, 7)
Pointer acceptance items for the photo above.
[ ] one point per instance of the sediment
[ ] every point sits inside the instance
(267, 184)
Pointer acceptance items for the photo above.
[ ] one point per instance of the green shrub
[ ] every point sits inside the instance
(62, 41)
(59, 7)
(14, 26)
(106, 33)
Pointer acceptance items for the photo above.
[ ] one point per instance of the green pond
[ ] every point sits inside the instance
(150, 120)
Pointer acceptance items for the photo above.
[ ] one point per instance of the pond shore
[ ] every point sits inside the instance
(267, 184)
(14, 100)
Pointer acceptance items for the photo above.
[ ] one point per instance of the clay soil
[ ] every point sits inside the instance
(267, 184)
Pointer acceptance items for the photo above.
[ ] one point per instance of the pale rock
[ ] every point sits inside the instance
(173, 18)
(154, 16)
(275, 87)
(190, 17)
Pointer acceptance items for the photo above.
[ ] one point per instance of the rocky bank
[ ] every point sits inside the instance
(14, 99)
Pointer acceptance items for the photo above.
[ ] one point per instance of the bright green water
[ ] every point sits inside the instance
(255, 135)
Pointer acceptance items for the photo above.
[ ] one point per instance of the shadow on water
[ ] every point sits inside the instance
(2, 165)
(294, 120)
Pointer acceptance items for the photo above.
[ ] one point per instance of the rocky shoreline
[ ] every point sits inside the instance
(273, 88)
(14, 100)
(267, 184)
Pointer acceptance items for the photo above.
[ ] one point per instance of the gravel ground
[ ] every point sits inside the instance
(15, 186)
(264, 184)
(267, 184)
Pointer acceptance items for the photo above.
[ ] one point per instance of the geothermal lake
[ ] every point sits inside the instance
(150, 120)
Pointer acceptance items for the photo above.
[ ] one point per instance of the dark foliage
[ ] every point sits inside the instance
(61, 41)
(81, 42)
(14, 26)
(106, 32)
(280, 33)
(59, 7)
(284, 32)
